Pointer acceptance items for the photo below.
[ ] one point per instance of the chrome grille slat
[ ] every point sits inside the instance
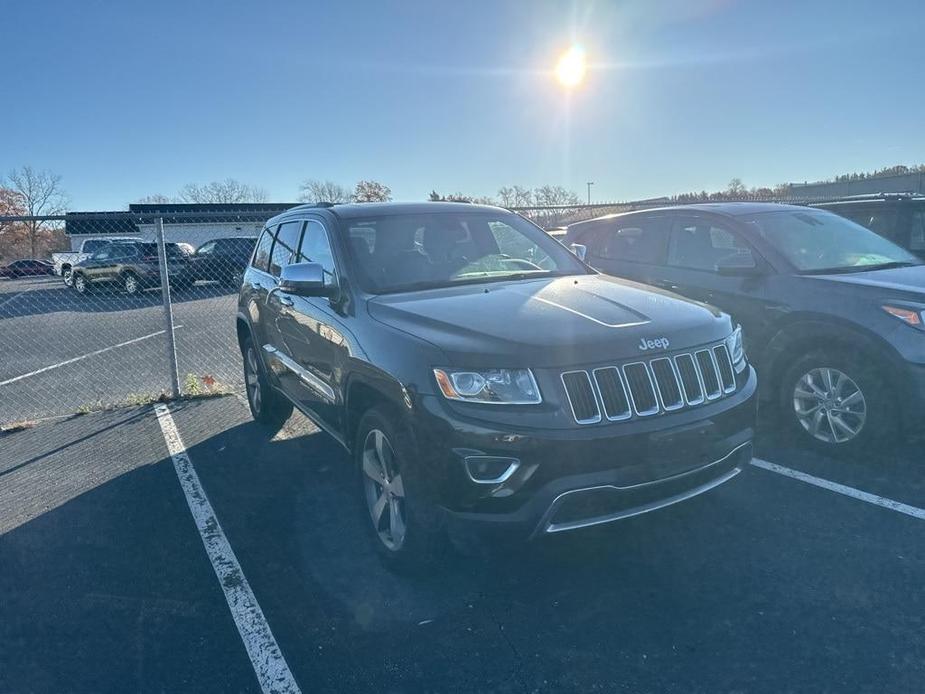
(641, 388)
(660, 385)
(581, 397)
(724, 366)
(709, 374)
(668, 384)
(614, 396)
(691, 381)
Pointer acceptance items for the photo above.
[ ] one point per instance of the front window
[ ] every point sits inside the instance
(817, 241)
(405, 252)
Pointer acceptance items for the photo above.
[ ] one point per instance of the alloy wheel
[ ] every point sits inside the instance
(252, 380)
(80, 284)
(68, 278)
(385, 491)
(829, 405)
(131, 284)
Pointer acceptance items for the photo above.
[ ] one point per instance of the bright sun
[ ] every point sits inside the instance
(570, 70)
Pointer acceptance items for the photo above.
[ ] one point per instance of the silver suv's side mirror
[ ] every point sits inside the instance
(304, 279)
(579, 249)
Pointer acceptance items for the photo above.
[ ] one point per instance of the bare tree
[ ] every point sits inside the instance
(156, 199)
(314, 190)
(515, 196)
(547, 196)
(39, 194)
(372, 191)
(229, 191)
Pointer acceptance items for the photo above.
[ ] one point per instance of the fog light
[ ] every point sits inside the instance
(485, 469)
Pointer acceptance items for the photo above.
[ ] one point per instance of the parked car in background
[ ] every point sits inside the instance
(131, 266)
(900, 217)
(65, 261)
(222, 260)
(26, 268)
(481, 375)
(834, 314)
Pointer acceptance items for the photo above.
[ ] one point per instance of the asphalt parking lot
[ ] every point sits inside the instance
(766, 584)
(64, 352)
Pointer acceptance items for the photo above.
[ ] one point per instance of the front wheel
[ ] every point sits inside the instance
(404, 527)
(837, 402)
(131, 284)
(81, 285)
(266, 405)
(68, 275)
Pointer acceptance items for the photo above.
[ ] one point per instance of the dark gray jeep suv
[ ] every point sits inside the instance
(480, 374)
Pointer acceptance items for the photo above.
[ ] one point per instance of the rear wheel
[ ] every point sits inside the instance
(266, 405)
(836, 402)
(68, 275)
(404, 527)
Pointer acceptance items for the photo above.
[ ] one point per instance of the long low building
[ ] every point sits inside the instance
(183, 223)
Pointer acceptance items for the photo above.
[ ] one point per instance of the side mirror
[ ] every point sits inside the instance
(304, 279)
(739, 264)
(579, 249)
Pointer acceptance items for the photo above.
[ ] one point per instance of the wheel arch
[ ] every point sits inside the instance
(362, 392)
(801, 336)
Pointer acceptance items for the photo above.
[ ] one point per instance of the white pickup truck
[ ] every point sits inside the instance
(65, 261)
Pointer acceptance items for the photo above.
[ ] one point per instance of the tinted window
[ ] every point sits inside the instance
(262, 253)
(206, 248)
(699, 244)
(881, 219)
(817, 241)
(403, 252)
(315, 248)
(94, 245)
(635, 240)
(287, 241)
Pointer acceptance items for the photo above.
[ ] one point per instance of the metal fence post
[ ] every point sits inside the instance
(168, 309)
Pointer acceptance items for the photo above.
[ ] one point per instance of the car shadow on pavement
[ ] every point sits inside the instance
(49, 298)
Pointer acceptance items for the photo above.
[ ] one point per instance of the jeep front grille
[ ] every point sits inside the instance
(646, 388)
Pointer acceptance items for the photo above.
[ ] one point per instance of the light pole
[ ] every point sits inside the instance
(590, 183)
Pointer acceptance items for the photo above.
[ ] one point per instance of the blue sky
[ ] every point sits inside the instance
(126, 99)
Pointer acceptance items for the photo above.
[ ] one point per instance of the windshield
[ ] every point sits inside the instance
(405, 252)
(817, 241)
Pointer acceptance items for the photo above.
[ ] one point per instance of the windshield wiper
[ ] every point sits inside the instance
(443, 284)
(848, 269)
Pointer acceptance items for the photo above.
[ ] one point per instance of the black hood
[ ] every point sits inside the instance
(906, 281)
(547, 322)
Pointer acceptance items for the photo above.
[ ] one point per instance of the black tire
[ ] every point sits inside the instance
(66, 276)
(131, 285)
(267, 406)
(423, 539)
(838, 407)
(81, 285)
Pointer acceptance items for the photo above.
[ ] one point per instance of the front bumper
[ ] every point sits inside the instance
(571, 478)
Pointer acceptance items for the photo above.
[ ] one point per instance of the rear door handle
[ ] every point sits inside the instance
(667, 284)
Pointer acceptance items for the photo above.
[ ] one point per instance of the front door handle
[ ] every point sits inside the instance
(285, 300)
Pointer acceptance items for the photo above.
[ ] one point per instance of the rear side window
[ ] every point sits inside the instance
(635, 240)
(287, 241)
(262, 253)
(699, 244)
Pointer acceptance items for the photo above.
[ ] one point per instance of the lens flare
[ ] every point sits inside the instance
(571, 68)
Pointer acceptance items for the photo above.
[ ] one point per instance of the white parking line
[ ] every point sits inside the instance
(15, 296)
(85, 356)
(881, 501)
(266, 657)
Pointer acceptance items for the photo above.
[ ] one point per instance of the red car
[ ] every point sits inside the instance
(26, 268)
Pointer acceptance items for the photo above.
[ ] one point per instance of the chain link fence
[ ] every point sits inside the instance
(143, 306)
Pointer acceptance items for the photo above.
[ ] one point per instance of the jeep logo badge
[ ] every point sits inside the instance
(657, 343)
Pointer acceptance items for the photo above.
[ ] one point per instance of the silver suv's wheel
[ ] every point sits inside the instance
(829, 405)
(385, 491)
(68, 276)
